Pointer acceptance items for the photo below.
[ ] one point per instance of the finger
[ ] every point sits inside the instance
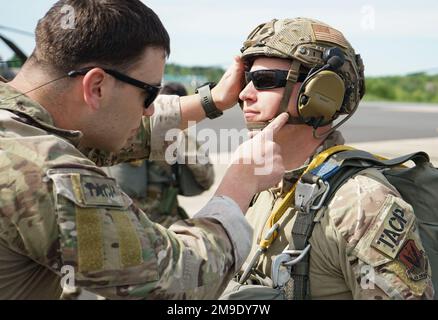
(236, 67)
(276, 124)
(238, 60)
(239, 66)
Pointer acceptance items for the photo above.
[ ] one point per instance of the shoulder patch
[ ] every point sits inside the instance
(412, 267)
(89, 190)
(414, 260)
(395, 220)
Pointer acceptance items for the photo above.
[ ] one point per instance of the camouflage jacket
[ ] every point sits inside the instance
(61, 215)
(154, 186)
(344, 262)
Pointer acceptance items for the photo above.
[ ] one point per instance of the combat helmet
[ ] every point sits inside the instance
(334, 82)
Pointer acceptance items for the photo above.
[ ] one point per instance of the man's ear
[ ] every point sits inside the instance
(92, 85)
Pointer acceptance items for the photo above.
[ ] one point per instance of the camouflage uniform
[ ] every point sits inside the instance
(57, 208)
(343, 248)
(153, 186)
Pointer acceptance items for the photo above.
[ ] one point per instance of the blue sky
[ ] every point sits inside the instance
(392, 37)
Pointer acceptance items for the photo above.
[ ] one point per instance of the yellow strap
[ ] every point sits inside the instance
(277, 214)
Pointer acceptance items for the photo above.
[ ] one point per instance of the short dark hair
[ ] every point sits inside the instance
(174, 88)
(111, 33)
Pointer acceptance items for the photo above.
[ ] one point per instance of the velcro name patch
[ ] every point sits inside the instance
(394, 229)
(97, 191)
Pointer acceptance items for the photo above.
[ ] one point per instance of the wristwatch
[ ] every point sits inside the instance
(210, 109)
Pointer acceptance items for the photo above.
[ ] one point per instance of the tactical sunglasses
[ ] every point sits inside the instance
(269, 78)
(151, 90)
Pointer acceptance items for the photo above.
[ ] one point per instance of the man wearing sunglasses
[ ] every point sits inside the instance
(303, 249)
(84, 98)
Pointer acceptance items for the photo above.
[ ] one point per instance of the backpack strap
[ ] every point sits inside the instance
(360, 155)
(352, 162)
(320, 185)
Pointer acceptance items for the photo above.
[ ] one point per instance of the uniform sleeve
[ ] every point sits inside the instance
(203, 173)
(117, 252)
(379, 250)
(151, 141)
(197, 161)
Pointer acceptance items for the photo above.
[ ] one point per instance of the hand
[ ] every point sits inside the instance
(257, 165)
(264, 155)
(226, 93)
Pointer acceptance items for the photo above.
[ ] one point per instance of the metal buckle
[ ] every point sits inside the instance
(301, 254)
(306, 193)
(287, 258)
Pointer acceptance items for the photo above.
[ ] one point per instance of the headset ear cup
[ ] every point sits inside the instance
(321, 98)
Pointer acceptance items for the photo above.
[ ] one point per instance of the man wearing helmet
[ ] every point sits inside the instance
(310, 70)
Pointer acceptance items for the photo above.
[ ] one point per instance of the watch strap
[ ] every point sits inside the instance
(211, 111)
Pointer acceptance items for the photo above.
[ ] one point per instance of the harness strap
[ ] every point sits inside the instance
(301, 231)
(289, 197)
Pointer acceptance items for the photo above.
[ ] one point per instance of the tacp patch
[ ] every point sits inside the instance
(97, 191)
(394, 229)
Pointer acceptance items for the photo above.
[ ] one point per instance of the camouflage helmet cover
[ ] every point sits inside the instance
(305, 40)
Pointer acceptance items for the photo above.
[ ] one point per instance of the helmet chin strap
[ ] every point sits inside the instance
(257, 126)
(292, 78)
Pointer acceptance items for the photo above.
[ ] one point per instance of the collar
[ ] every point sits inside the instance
(291, 177)
(32, 113)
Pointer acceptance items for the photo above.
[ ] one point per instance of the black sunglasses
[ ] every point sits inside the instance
(269, 78)
(151, 90)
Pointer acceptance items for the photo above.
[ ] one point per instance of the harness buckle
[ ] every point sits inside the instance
(282, 265)
(306, 194)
